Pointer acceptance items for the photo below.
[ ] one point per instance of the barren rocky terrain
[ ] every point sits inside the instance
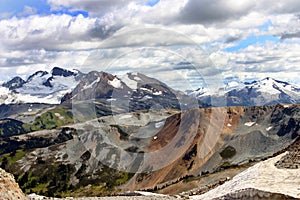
(9, 189)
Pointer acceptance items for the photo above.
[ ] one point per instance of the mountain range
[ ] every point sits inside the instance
(137, 90)
(267, 91)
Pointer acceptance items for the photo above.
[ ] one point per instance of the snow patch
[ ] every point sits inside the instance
(129, 82)
(259, 176)
(125, 117)
(116, 83)
(159, 124)
(91, 85)
(157, 93)
(112, 99)
(249, 123)
(137, 78)
(149, 194)
(146, 89)
(229, 125)
(232, 85)
(269, 128)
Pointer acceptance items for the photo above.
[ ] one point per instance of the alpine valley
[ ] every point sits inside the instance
(66, 133)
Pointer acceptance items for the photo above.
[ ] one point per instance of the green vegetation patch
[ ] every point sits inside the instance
(51, 119)
(11, 158)
(9, 127)
(54, 118)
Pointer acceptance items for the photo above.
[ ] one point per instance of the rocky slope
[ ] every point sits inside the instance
(9, 189)
(246, 134)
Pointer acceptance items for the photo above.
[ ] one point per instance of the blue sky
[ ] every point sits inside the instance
(152, 2)
(253, 40)
(16, 8)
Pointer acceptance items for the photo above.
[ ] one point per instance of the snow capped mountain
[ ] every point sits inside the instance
(40, 87)
(264, 92)
(138, 90)
(132, 92)
(14, 83)
(95, 85)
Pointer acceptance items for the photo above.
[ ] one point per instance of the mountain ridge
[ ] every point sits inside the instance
(55, 87)
(266, 91)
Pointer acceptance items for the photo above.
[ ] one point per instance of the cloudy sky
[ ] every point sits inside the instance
(183, 42)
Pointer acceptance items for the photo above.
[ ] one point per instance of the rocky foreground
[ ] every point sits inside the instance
(272, 179)
(264, 180)
(9, 189)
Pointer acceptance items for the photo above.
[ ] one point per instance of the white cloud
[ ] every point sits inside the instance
(260, 61)
(53, 32)
(125, 30)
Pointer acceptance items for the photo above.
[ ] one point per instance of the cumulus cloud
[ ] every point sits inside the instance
(96, 7)
(210, 11)
(122, 36)
(53, 32)
(259, 61)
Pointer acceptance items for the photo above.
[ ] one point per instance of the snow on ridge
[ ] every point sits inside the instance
(91, 85)
(129, 82)
(116, 83)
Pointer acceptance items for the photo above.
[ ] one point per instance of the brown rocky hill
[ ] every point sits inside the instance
(225, 137)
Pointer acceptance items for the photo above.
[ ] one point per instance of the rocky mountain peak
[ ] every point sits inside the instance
(14, 83)
(56, 71)
(36, 74)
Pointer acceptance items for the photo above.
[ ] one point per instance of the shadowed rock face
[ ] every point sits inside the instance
(15, 83)
(292, 159)
(9, 189)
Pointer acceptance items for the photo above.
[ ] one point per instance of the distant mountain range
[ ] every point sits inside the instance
(263, 92)
(135, 90)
